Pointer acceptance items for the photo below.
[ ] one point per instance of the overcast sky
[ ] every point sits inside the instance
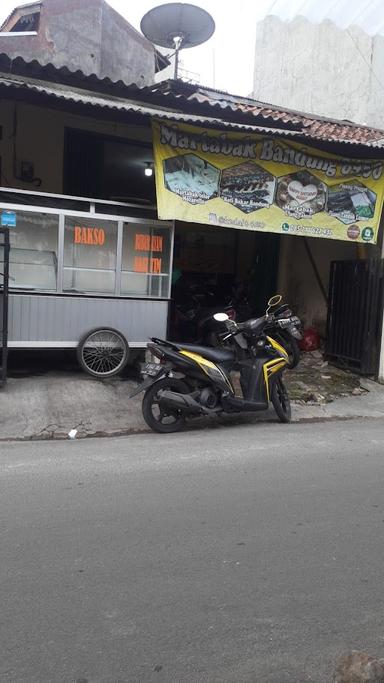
(226, 60)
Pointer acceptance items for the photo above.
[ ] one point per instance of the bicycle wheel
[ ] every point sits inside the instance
(103, 352)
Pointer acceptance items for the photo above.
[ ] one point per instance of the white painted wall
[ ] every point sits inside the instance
(321, 69)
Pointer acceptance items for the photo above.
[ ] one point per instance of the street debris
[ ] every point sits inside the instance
(359, 667)
(72, 433)
(308, 384)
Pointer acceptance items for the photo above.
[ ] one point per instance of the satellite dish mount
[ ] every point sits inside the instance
(177, 41)
(177, 25)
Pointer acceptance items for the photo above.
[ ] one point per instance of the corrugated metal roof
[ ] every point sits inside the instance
(180, 101)
(60, 74)
(60, 91)
(318, 127)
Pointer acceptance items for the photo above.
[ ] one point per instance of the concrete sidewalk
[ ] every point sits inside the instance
(51, 405)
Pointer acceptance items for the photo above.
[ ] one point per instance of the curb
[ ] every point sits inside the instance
(63, 436)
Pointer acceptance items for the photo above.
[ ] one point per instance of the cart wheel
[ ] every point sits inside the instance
(103, 352)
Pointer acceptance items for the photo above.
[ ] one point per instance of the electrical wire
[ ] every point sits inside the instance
(371, 70)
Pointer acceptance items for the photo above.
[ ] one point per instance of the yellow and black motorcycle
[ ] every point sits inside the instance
(192, 380)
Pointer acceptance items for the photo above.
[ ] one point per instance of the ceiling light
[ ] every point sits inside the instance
(148, 171)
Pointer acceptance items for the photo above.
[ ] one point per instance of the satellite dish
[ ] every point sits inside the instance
(177, 25)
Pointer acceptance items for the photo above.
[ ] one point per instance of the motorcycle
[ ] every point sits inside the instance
(286, 328)
(193, 318)
(208, 330)
(198, 324)
(282, 325)
(193, 380)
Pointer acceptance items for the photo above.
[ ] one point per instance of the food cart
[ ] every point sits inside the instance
(87, 274)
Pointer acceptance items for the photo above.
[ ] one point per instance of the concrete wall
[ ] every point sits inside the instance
(87, 35)
(40, 139)
(125, 54)
(320, 69)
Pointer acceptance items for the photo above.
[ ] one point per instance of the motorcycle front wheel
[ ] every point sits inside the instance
(293, 353)
(280, 400)
(292, 348)
(163, 420)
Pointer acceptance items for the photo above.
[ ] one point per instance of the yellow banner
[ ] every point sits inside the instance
(251, 182)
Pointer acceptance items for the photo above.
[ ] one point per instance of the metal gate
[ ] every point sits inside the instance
(4, 279)
(355, 313)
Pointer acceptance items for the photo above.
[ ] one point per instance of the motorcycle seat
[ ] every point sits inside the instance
(213, 354)
(254, 325)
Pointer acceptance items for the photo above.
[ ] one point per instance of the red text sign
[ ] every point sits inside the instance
(94, 236)
(143, 264)
(148, 242)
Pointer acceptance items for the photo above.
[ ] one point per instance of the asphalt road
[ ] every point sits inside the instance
(242, 554)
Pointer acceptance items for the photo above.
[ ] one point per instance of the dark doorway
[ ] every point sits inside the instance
(217, 268)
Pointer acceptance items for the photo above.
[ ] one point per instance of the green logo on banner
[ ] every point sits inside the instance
(367, 234)
(285, 227)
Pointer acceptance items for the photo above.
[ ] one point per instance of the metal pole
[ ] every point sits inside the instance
(315, 269)
(4, 331)
(381, 348)
(177, 41)
(176, 63)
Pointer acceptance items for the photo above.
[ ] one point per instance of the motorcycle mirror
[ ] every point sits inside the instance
(274, 300)
(221, 317)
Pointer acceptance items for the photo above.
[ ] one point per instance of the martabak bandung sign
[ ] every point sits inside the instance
(252, 182)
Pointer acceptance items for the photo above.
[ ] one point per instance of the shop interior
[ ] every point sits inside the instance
(212, 267)
(219, 268)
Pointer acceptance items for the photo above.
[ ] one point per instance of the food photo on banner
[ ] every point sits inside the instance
(260, 183)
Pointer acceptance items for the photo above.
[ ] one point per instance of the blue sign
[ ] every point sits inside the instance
(8, 219)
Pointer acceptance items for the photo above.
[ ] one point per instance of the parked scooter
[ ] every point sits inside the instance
(203, 385)
(285, 328)
(280, 323)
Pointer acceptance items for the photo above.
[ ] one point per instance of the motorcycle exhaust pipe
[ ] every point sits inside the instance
(184, 402)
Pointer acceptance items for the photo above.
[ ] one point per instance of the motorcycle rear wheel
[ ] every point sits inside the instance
(280, 400)
(164, 421)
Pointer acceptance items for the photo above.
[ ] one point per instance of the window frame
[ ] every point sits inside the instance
(92, 215)
(151, 276)
(30, 288)
(91, 269)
